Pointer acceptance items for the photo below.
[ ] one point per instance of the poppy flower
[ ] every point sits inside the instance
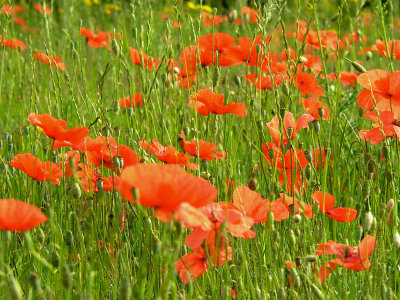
(131, 101)
(393, 45)
(206, 101)
(210, 19)
(42, 9)
(56, 129)
(251, 12)
(381, 86)
(98, 40)
(329, 39)
(71, 156)
(312, 107)
(221, 43)
(351, 258)
(50, 60)
(89, 178)
(13, 43)
(253, 206)
(390, 127)
(165, 187)
(194, 264)
(202, 149)
(346, 78)
(21, 22)
(16, 215)
(168, 154)
(308, 84)
(264, 82)
(326, 202)
(34, 168)
(294, 206)
(12, 10)
(139, 58)
(246, 51)
(186, 74)
(289, 126)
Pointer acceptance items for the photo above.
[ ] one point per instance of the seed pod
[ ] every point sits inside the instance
(310, 258)
(237, 80)
(66, 277)
(365, 189)
(396, 239)
(317, 292)
(55, 259)
(290, 132)
(321, 112)
(115, 47)
(34, 280)
(282, 111)
(297, 219)
(14, 288)
(68, 239)
(125, 290)
(308, 156)
(368, 220)
(76, 190)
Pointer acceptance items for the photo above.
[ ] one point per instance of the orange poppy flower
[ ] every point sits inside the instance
(383, 86)
(12, 10)
(89, 178)
(312, 106)
(346, 78)
(131, 101)
(21, 22)
(210, 19)
(50, 60)
(295, 206)
(308, 84)
(98, 40)
(351, 258)
(251, 12)
(246, 51)
(393, 45)
(165, 187)
(203, 149)
(206, 101)
(391, 127)
(42, 9)
(221, 43)
(65, 164)
(56, 129)
(326, 202)
(289, 125)
(139, 58)
(253, 206)
(34, 168)
(168, 154)
(329, 39)
(13, 43)
(264, 82)
(16, 215)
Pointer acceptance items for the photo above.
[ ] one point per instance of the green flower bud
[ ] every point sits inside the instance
(368, 220)
(55, 259)
(76, 190)
(68, 239)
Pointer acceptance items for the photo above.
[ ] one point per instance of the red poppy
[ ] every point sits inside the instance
(346, 78)
(168, 154)
(390, 127)
(89, 178)
(295, 206)
(50, 60)
(139, 58)
(98, 40)
(351, 258)
(393, 45)
(56, 129)
(42, 9)
(12, 10)
(289, 126)
(329, 39)
(165, 187)
(308, 84)
(13, 43)
(203, 149)
(21, 22)
(251, 12)
(131, 101)
(16, 215)
(65, 164)
(312, 107)
(206, 101)
(381, 86)
(210, 19)
(34, 168)
(264, 82)
(253, 206)
(246, 51)
(326, 202)
(221, 43)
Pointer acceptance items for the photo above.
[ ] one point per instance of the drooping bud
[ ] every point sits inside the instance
(357, 66)
(55, 259)
(69, 238)
(359, 232)
(76, 190)
(368, 220)
(156, 245)
(371, 166)
(237, 80)
(396, 239)
(365, 189)
(297, 219)
(292, 239)
(99, 184)
(232, 16)
(368, 55)
(147, 224)
(115, 47)
(246, 17)
(295, 278)
(310, 259)
(321, 112)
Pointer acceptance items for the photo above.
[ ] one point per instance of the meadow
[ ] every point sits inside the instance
(199, 150)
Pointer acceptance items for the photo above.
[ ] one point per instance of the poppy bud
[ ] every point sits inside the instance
(25, 130)
(8, 137)
(357, 66)
(303, 60)
(359, 233)
(34, 280)
(237, 80)
(368, 55)
(321, 112)
(252, 185)
(216, 75)
(317, 292)
(316, 126)
(129, 111)
(40, 235)
(156, 245)
(371, 166)
(295, 278)
(285, 89)
(76, 190)
(308, 156)
(125, 290)
(148, 225)
(99, 184)
(116, 162)
(115, 47)
(368, 220)
(396, 239)
(106, 131)
(365, 189)
(68, 239)
(232, 16)
(66, 277)
(270, 220)
(14, 288)
(308, 171)
(282, 112)
(385, 150)
(310, 258)
(297, 219)
(292, 239)
(246, 17)
(389, 205)
(55, 259)
(179, 227)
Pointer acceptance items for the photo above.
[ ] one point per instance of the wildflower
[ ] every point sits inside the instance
(313, 106)
(308, 84)
(139, 58)
(131, 101)
(98, 40)
(326, 202)
(16, 215)
(384, 127)
(54, 61)
(252, 13)
(264, 82)
(294, 206)
(203, 149)
(42, 9)
(393, 45)
(13, 43)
